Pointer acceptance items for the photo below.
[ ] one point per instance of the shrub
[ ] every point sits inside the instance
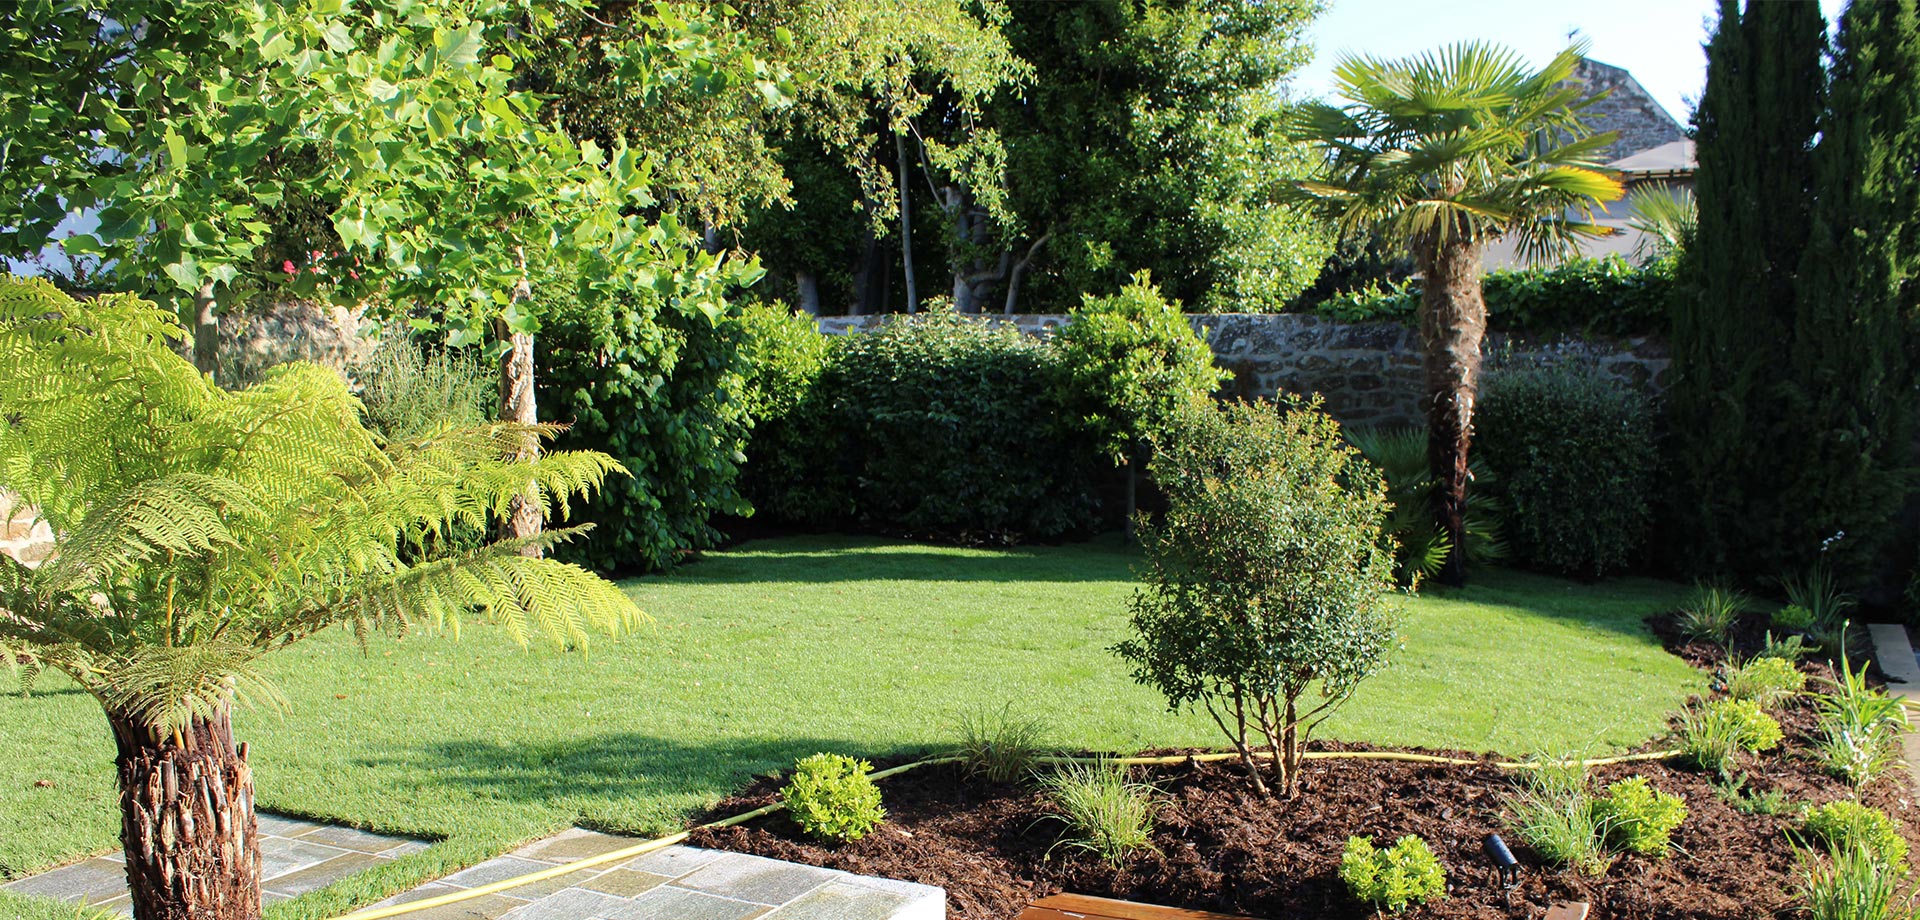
(1845, 825)
(1792, 648)
(789, 475)
(1420, 546)
(1606, 296)
(409, 390)
(1793, 618)
(1859, 728)
(1573, 457)
(1553, 814)
(1105, 814)
(1765, 680)
(1395, 878)
(1747, 801)
(1267, 562)
(999, 747)
(1711, 614)
(1712, 735)
(1129, 363)
(661, 391)
(1852, 885)
(953, 428)
(833, 797)
(1639, 818)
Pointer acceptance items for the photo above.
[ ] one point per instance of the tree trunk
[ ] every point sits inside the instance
(870, 274)
(1453, 321)
(206, 333)
(187, 822)
(1019, 272)
(807, 291)
(906, 224)
(524, 519)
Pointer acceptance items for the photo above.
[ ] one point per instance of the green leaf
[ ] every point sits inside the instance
(459, 48)
(176, 151)
(338, 37)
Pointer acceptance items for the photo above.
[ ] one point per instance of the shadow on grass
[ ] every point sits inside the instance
(1616, 605)
(612, 766)
(835, 559)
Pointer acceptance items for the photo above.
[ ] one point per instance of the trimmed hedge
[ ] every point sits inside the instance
(1605, 296)
(1574, 459)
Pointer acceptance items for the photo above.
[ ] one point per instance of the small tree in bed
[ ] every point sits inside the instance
(1267, 585)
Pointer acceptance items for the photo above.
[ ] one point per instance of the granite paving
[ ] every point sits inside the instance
(295, 857)
(676, 883)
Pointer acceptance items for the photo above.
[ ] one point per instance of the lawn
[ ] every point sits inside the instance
(786, 647)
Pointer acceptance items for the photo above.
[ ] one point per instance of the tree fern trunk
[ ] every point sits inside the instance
(206, 333)
(517, 405)
(1453, 321)
(187, 822)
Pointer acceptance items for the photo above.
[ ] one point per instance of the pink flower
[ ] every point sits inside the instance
(287, 267)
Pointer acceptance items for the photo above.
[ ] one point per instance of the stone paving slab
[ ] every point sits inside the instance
(1893, 651)
(676, 883)
(295, 857)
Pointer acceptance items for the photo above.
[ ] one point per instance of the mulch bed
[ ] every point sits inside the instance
(1221, 848)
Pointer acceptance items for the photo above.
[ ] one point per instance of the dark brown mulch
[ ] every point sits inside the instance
(1221, 848)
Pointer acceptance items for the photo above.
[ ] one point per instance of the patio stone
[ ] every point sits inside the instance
(319, 875)
(841, 901)
(673, 862)
(571, 904)
(284, 827)
(625, 882)
(671, 903)
(278, 858)
(756, 878)
(295, 857)
(95, 879)
(351, 838)
(574, 844)
(485, 907)
(509, 867)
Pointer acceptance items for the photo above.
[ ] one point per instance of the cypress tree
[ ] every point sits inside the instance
(1754, 129)
(1849, 395)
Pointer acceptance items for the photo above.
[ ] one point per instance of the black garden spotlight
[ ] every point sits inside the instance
(1504, 864)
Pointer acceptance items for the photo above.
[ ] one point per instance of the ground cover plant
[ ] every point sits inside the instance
(474, 743)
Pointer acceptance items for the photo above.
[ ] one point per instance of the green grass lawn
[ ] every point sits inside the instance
(786, 647)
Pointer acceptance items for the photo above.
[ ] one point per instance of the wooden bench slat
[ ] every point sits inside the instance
(1081, 905)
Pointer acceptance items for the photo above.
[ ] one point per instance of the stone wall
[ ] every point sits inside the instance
(1369, 373)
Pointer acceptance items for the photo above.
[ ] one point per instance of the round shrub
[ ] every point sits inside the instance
(1794, 618)
(1395, 878)
(1130, 361)
(1639, 818)
(1573, 452)
(833, 797)
(1846, 825)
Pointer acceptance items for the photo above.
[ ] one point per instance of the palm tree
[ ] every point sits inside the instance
(1442, 153)
(198, 530)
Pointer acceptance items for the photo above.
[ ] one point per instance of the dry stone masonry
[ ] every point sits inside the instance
(1369, 373)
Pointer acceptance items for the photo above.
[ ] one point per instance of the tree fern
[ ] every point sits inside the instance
(198, 529)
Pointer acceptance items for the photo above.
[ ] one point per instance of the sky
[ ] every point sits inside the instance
(1657, 40)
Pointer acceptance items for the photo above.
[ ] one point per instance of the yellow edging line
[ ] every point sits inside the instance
(641, 849)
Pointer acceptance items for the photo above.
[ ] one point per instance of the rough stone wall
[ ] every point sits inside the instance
(1368, 373)
(1627, 108)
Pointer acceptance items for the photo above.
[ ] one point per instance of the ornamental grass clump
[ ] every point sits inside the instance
(1845, 825)
(1267, 587)
(999, 746)
(1852, 885)
(833, 797)
(1553, 813)
(1105, 814)
(1712, 613)
(1395, 878)
(1713, 736)
(1639, 818)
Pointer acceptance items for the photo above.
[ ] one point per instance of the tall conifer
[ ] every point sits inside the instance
(1755, 127)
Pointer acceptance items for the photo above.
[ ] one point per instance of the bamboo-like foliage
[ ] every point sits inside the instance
(1466, 141)
(198, 528)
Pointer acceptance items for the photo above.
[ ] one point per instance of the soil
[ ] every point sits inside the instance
(1220, 847)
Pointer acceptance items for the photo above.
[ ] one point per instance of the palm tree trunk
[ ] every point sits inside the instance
(187, 821)
(1453, 321)
(206, 333)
